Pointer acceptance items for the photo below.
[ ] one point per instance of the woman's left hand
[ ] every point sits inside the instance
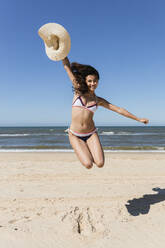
(145, 121)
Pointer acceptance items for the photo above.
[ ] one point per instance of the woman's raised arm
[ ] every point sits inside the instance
(104, 103)
(66, 64)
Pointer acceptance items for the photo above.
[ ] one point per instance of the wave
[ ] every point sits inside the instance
(126, 133)
(107, 133)
(32, 134)
(33, 147)
(118, 133)
(135, 148)
(13, 135)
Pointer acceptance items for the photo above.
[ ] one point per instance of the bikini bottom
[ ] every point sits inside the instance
(83, 136)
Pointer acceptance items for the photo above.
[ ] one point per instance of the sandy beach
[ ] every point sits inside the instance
(50, 200)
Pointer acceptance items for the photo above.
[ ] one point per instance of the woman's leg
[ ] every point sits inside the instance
(82, 151)
(96, 150)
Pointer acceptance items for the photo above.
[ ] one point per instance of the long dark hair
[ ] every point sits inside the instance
(80, 72)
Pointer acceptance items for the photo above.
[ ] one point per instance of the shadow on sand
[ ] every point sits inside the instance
(142, 205)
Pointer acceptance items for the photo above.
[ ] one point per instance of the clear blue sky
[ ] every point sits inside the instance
(123, 39)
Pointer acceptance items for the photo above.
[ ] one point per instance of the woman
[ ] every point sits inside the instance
(82, 132)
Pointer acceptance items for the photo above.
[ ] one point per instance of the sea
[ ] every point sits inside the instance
(55, 138)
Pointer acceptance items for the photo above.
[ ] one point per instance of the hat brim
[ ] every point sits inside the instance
(54, 51)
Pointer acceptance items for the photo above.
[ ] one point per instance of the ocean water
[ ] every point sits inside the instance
(119, 138)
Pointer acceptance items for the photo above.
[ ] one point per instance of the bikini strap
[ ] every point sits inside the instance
(76, 99)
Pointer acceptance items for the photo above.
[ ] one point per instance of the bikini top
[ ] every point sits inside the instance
(79, 103)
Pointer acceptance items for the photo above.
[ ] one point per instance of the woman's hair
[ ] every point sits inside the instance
(81, 72)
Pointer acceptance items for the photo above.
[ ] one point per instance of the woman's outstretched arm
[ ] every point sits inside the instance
(104, 103)
(66, 64)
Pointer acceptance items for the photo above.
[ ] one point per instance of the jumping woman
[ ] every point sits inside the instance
(82, 132)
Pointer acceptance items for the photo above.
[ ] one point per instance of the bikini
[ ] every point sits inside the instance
(79, 103)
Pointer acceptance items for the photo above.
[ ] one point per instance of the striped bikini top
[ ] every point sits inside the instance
(79, 103)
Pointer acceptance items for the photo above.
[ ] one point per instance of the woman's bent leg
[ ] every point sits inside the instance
(96, 150)
(82, 151)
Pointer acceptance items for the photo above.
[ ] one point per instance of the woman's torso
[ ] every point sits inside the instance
(83, 108)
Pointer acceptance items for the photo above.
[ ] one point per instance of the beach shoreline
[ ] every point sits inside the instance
(63, 154)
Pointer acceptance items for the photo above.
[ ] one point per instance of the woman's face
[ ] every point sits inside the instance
(92, 82)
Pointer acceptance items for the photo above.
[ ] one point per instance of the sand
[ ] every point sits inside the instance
(50, 200)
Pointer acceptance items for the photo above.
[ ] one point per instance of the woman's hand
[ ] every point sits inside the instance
(145, 121)
(66, 62)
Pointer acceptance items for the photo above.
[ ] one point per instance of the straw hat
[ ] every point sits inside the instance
(57, 40)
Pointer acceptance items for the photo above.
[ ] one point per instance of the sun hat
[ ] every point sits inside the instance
(57, 40)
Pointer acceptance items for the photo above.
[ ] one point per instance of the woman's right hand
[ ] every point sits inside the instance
(144, 120)
(66, 62)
